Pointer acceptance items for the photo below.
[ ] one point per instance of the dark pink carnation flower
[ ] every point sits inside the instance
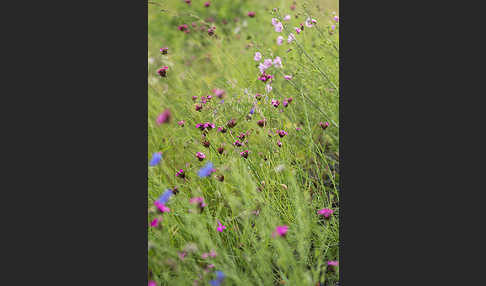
(198, 107)
(164, 117)
(164, 50)
(275, 102)
(251, 14)
(281, 133)
(181, 174)
(183, 28)
(280, 230)
(218, 92)
(325, 212)
(207, 4)
(181, 123)
(238, 143)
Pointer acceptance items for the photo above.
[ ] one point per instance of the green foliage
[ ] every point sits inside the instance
(275, 185)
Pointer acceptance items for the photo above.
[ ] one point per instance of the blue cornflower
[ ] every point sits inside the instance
(206, 170)
(252, 110)
(165, 196)
(156, 157)
(219, 278)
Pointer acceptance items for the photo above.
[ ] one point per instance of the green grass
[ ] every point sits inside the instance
(285, 185)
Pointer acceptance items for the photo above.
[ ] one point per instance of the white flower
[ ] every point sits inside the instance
(268, 88)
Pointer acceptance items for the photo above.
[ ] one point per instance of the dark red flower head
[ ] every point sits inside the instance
(198, 107)
(221, 150)
(163, 71)
(244, 154)
(182, 28)
(261, 122)
(164, 50)
(324, 125)
(231, 123)
(206, 143)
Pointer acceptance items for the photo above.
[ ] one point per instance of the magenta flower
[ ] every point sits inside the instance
(251, 14)
(279, 144)
(181, 123)
(285, 103)
(152, 283)
(204, 255)
(211, 31)
(207, 4)
(164, 50)
(277, 62)
(163, 71)
(154, 222)
(297, 30)
(279, 40)
(212, 253)
(265, 77)
(286, 18)
(238, 143)
(281, 133)
(194, 98)
(200, 156)
(218, 92)
(181, 174)
(325, 212)
(241, 136)
(257, 57)
(287, 77)
(258, 96)
(275, 102)
(324, 125)
(188, 1)
(336, 19)
(182, 255)
(161, 207)
(332, 265)
(298, 128)
(206, 143)
(164, 117)
(292, 7)
(199, 201)
(280, 230)
(244, 154)
(222, 129)
(220, 227)
(198, 107)
(278, 27)
(183, 28)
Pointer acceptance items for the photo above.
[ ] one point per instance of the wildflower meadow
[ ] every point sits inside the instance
(243, 141)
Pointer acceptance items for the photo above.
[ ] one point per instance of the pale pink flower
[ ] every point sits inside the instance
(274, 21)
(310, 22)
(287, 18)
(336, 19)
(298, 30)
(258, 56)
(267, 63)
(277, 62)
(278, 27)
(287, 77)
(262, 67)
(279, 40)
(268, 88)
(290, 38)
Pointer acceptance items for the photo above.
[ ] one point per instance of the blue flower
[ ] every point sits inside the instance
(165, 196)
(252, 110)
(206, 170)
(219, 278)
(156, 157)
